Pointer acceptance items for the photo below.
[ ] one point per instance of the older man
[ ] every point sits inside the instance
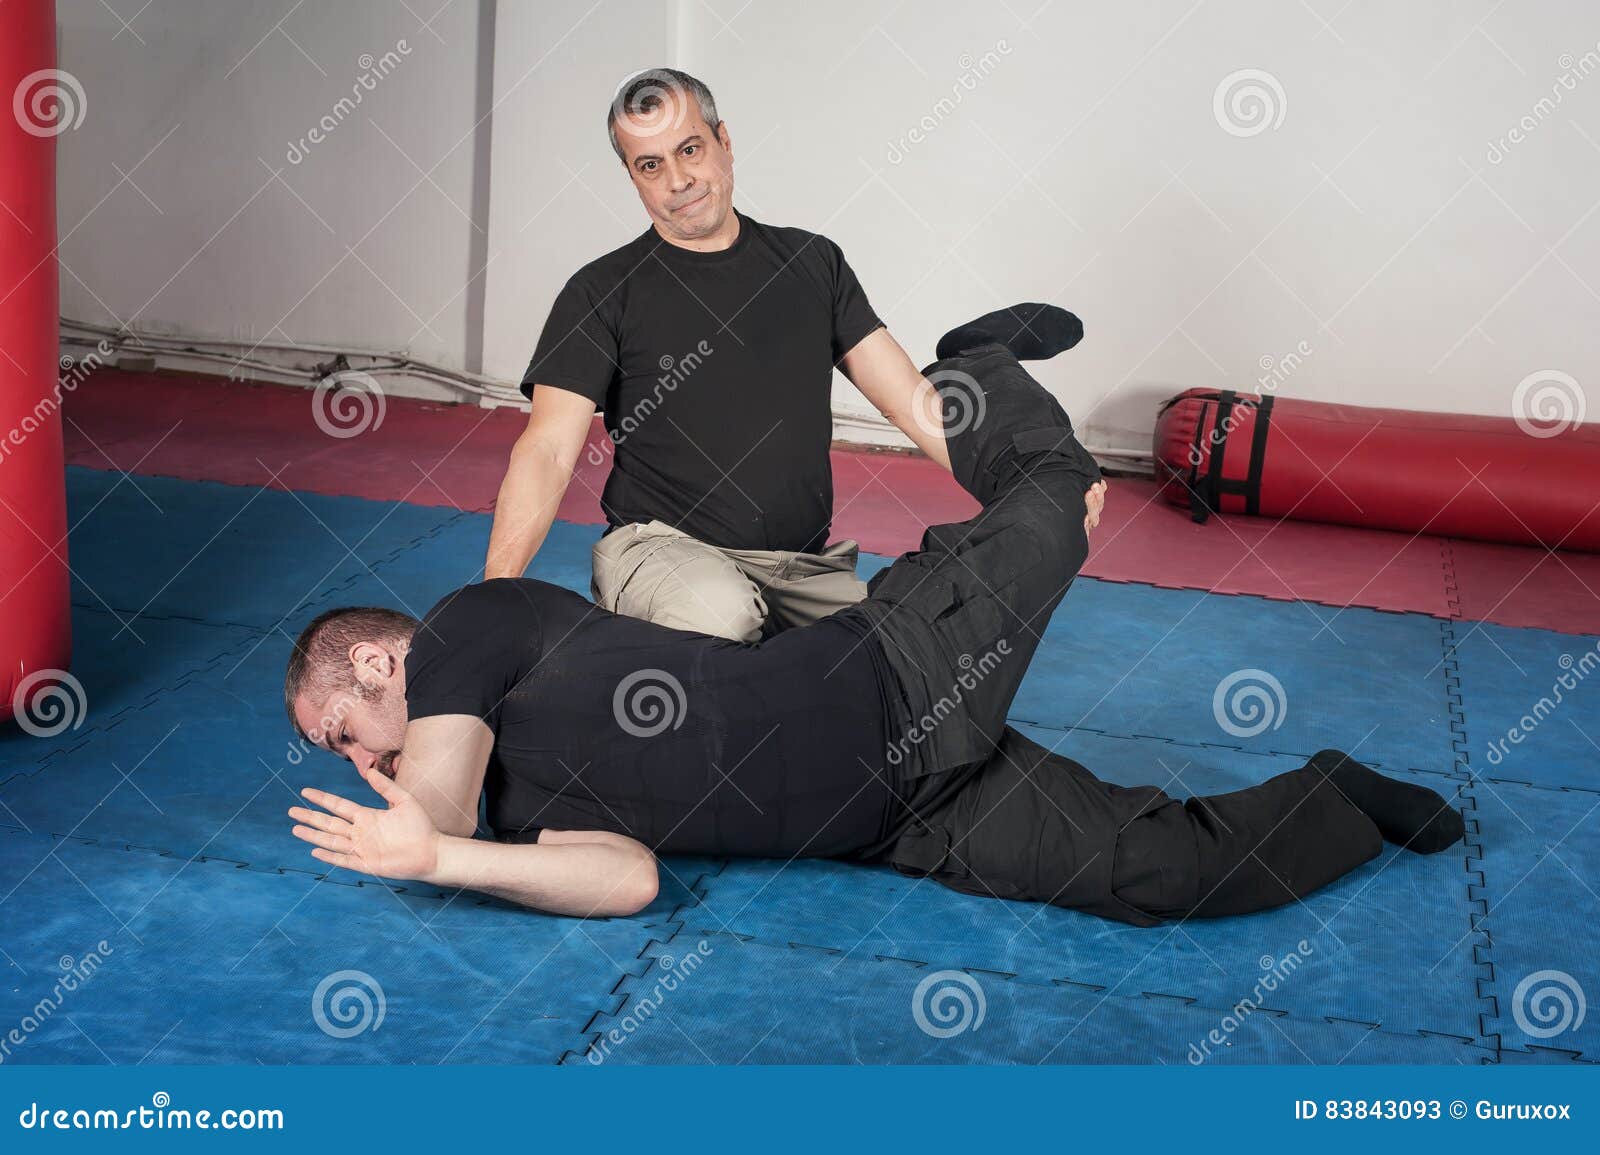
(709, 344)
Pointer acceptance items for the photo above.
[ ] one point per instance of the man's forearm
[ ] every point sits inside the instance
(922, 420)
(583, 879)
(529, 496)
(886, 376)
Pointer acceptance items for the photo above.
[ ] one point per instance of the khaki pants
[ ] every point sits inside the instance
(661, 574)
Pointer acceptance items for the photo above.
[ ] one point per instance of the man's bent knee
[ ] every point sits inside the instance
(704, 593)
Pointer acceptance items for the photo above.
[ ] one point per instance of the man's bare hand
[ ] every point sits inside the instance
(400, 841)
(1094, 501)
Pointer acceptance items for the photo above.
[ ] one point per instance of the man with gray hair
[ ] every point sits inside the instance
(709, 344)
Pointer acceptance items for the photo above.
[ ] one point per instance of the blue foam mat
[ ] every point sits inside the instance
(158, 547)
(1531, 700)
(720, 1000)
(1134, 660)
(119, 665)
(210, 769)
(1381, 668)
(201, 962)
(1540, 860)
(1403, 916)
(454, 557)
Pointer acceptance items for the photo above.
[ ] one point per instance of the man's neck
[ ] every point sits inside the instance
(723, 238)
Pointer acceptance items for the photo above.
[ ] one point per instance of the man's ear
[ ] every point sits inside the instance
(723, 138)
(372, 662)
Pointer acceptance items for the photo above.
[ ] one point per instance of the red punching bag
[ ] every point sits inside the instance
(35, 628)
(1532, 479)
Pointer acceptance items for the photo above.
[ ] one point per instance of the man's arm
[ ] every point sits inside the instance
(581, 873)
(879, 367)
(539, 472)
(886, 376)
(443, 766)
(585, 873)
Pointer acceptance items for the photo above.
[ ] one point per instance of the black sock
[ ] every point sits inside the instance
(1032, 332)
(1406, 814)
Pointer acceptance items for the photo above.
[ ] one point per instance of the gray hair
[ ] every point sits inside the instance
(643, 93)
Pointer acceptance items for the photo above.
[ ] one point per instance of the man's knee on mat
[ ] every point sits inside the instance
(698, 592)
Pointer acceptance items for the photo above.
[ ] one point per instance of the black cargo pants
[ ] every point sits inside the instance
(983, 809)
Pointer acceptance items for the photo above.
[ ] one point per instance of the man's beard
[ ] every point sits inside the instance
(385, 763)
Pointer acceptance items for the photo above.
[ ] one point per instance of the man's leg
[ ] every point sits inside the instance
(959, 619)
(801, 588)
(663, 575)
(1034, 825)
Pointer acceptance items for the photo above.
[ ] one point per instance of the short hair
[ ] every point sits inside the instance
(319, 664)
(643, 93)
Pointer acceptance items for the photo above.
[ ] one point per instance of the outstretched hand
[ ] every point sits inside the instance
(1094, 500)
(400, 841)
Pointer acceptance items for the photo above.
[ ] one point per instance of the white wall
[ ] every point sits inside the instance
(216, 233)
(559, 198)
(1087, 168)
(1082, 163)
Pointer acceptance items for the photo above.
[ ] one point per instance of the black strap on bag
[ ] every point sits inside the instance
(1205, 493)
(1197, 503)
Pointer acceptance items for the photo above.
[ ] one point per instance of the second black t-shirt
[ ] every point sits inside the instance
(691, 744)
(714, 373)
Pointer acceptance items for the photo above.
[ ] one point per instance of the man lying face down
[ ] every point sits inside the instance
(877, 734)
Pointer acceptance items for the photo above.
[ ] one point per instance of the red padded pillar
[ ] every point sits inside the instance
(35, 628)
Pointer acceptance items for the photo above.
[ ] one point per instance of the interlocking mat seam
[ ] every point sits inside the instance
(592, 997)
(633, 1004)
(683, 938)
(95, 725)
(1473, 859)
(311, 600)
(1257, 594)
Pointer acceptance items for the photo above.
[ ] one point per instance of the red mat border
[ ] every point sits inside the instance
(204, 428)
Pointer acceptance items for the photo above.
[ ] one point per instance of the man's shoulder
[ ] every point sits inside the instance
(793, 241)
(609, 269)
(493, 604)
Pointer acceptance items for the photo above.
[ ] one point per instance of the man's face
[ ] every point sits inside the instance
(682, 170)
(366, 723)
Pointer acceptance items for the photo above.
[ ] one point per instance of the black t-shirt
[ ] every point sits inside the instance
(690, 744)
(714, 372)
